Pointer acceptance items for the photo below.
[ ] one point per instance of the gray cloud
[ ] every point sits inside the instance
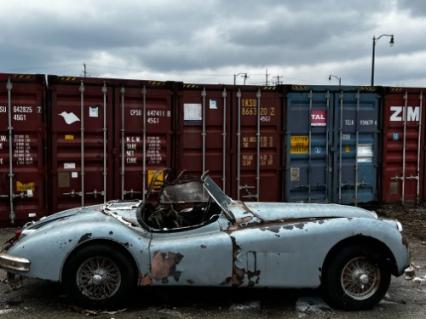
(208, 39)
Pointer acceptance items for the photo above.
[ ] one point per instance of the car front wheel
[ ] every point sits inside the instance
(99, 276)
(356, 278)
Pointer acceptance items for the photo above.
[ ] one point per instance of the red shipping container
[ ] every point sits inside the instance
(403, 145)
(81, 141)
(256, 157)
(143, 111)
(203, 141)
(22, 164)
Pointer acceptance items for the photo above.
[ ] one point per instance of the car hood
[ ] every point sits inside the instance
(124, 211)
(284, 211)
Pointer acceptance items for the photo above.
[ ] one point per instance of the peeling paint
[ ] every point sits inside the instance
(85, 237)
(163, 266)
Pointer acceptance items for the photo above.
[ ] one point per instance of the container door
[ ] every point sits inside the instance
(256, 149)
(22, 165)
(204, 133)
(81, 134)
(309, 140)
(356, 144)
(142, 113)
(402, 140)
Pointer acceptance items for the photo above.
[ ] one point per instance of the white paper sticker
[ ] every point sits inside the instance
(69, 165)
(74, 174)
(213, 104)
(192, 112)
(32, 215)
(93, 111)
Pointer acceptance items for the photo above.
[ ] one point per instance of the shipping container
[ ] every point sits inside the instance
(332, 144)
(143, 134)
(22, 162)
(203, 135)
(80, 141)
(256, 149)
(403, 145)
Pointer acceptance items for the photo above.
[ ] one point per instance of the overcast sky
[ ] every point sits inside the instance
(210, 40)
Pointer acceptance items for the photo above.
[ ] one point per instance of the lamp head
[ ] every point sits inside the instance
(391, 41)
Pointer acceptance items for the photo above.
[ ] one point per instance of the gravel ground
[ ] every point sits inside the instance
(405, 299)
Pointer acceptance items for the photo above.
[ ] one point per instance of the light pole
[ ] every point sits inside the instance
(391, 43)
(244, 75)
(339, 78)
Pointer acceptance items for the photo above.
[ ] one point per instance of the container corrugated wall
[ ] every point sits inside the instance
(22, 163)
(204, 132)
(143, 111)
(403, 140)
(332, 144)
(81, 135)
(256, 143)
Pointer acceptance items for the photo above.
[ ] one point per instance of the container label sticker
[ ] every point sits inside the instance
(22, 152)
(32, 215)
(23, 187)
(69, 165)
(213, 104)
(192, 112)
(347, 149)
(93, 111)
(294, 174)
(318, 118)
(395, 136)
(159, 177)
(74, 174)
(346, 137)
(399, 113)
(63, 179)
(365, 153)
(69, 118)
(69, 137)
(299, 144)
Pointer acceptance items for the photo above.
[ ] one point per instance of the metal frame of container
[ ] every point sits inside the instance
(22, 98)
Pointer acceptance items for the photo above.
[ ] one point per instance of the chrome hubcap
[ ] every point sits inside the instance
(98, 278)
(360, 278)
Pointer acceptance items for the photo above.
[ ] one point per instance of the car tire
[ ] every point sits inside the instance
(99, 276)
(356, 278)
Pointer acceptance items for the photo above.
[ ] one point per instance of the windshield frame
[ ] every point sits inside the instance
(216, 193)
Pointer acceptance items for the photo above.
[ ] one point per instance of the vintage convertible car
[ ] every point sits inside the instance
(189, 233)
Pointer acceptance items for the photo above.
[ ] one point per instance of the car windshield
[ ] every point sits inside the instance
(182, 203)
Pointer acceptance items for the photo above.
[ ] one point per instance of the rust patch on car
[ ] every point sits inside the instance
(85, 237)
(163, 266)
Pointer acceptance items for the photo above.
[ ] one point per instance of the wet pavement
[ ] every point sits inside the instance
(39, 299)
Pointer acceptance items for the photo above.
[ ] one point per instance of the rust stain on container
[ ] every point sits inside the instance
(403, 145)
(22, 98)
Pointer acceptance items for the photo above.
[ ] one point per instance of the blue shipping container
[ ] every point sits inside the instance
(332, 144)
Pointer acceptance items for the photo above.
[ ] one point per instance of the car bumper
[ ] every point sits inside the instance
(14, 264)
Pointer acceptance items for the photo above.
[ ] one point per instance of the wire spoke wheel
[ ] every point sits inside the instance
(360, 278)
(98, 278)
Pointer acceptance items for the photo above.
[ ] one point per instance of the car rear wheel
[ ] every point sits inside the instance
(99, 276)
(356, 278)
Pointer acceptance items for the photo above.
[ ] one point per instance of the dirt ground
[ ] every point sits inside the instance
(405, 299)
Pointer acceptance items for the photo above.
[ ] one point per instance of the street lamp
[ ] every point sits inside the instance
(339, 78)
(391, 43)
(243, 74)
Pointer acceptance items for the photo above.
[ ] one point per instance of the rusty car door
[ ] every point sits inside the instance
(199, 257)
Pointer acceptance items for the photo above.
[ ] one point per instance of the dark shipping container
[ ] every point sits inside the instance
(143, 112)
(256, 157)
(81, 141)
(403, 145)
(332, 144)
(22, 164)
